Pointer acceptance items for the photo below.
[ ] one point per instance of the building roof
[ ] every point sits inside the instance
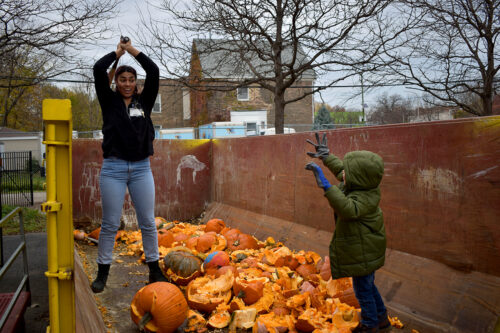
(6, 132)
(220, 59)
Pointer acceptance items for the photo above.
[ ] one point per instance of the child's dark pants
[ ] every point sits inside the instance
(372, 305)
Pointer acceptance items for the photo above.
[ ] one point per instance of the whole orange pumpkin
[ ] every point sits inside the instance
(165, 238)
(159, 307)
(215, 225)
(242, 242)
(205, 242)
(214, 261)
(230, 234)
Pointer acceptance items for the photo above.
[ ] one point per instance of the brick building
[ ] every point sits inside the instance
(212, 97)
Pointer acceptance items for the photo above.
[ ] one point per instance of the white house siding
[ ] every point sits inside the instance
(31, 143)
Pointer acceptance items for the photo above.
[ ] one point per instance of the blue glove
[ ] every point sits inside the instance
(319, 175)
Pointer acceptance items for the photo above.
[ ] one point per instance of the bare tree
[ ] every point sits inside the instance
(42, 24)
(56, 29)
(40, 39)
(271, 43)
(451, 52)
(391, 109)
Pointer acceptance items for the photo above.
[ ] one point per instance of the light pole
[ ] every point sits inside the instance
(362, 99)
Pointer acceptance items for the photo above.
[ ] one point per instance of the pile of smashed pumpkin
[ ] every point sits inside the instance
(223, 278)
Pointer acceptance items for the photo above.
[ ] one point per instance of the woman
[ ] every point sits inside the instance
(128, 142)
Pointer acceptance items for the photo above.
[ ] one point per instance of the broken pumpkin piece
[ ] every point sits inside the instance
(329, 328)
(236, 304)
(219, 319)
(195, 321)
(249, 290)
(297, 300)
(205, 293)
(224, 269)
(264, 304)
(308, 272)
(243, 319)
(345, 316)
(325, 271)
(273, 322)
(312, 257)
(206, 243)
(275, 256)
(310, 320)
(343, 290)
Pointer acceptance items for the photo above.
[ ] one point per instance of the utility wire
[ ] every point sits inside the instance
(232, 86)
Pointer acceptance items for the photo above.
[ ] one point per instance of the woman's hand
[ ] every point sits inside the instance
(119, 51)
(129, 48)
(126, 45)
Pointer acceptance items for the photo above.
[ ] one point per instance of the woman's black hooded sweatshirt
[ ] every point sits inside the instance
(127, 137)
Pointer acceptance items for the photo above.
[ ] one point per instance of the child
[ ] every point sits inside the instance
(358, 245)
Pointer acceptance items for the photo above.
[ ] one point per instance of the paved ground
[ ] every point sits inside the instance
(37, 315)
(125, 278)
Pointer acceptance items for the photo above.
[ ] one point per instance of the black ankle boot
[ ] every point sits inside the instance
(384, 325)
(102, 276)
(155, 273)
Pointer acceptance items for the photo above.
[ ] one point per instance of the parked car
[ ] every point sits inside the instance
(272, 131)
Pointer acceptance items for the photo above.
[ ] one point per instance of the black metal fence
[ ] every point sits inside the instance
(17, 171)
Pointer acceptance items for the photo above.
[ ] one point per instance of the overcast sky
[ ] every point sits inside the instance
(128, 20)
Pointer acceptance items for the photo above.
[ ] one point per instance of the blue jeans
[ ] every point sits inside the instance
(116, 176)
(372, 305)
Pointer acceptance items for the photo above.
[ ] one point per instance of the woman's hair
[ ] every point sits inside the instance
(123, 69)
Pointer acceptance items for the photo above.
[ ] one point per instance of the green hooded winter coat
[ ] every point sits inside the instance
(358, 244)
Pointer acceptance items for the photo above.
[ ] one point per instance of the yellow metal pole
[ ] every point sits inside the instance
(60, 247)
(50, 133)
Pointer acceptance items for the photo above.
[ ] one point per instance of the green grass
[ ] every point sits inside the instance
(20, 183)
(38, 183)
(34, 221)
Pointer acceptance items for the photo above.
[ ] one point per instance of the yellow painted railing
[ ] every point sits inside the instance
(58, 124)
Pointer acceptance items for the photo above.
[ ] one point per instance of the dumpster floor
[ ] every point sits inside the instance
(128, 275)
(125, 278)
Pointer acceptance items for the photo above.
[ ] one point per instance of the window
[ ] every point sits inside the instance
(242, 94)
(251, 128)
(157, 106)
